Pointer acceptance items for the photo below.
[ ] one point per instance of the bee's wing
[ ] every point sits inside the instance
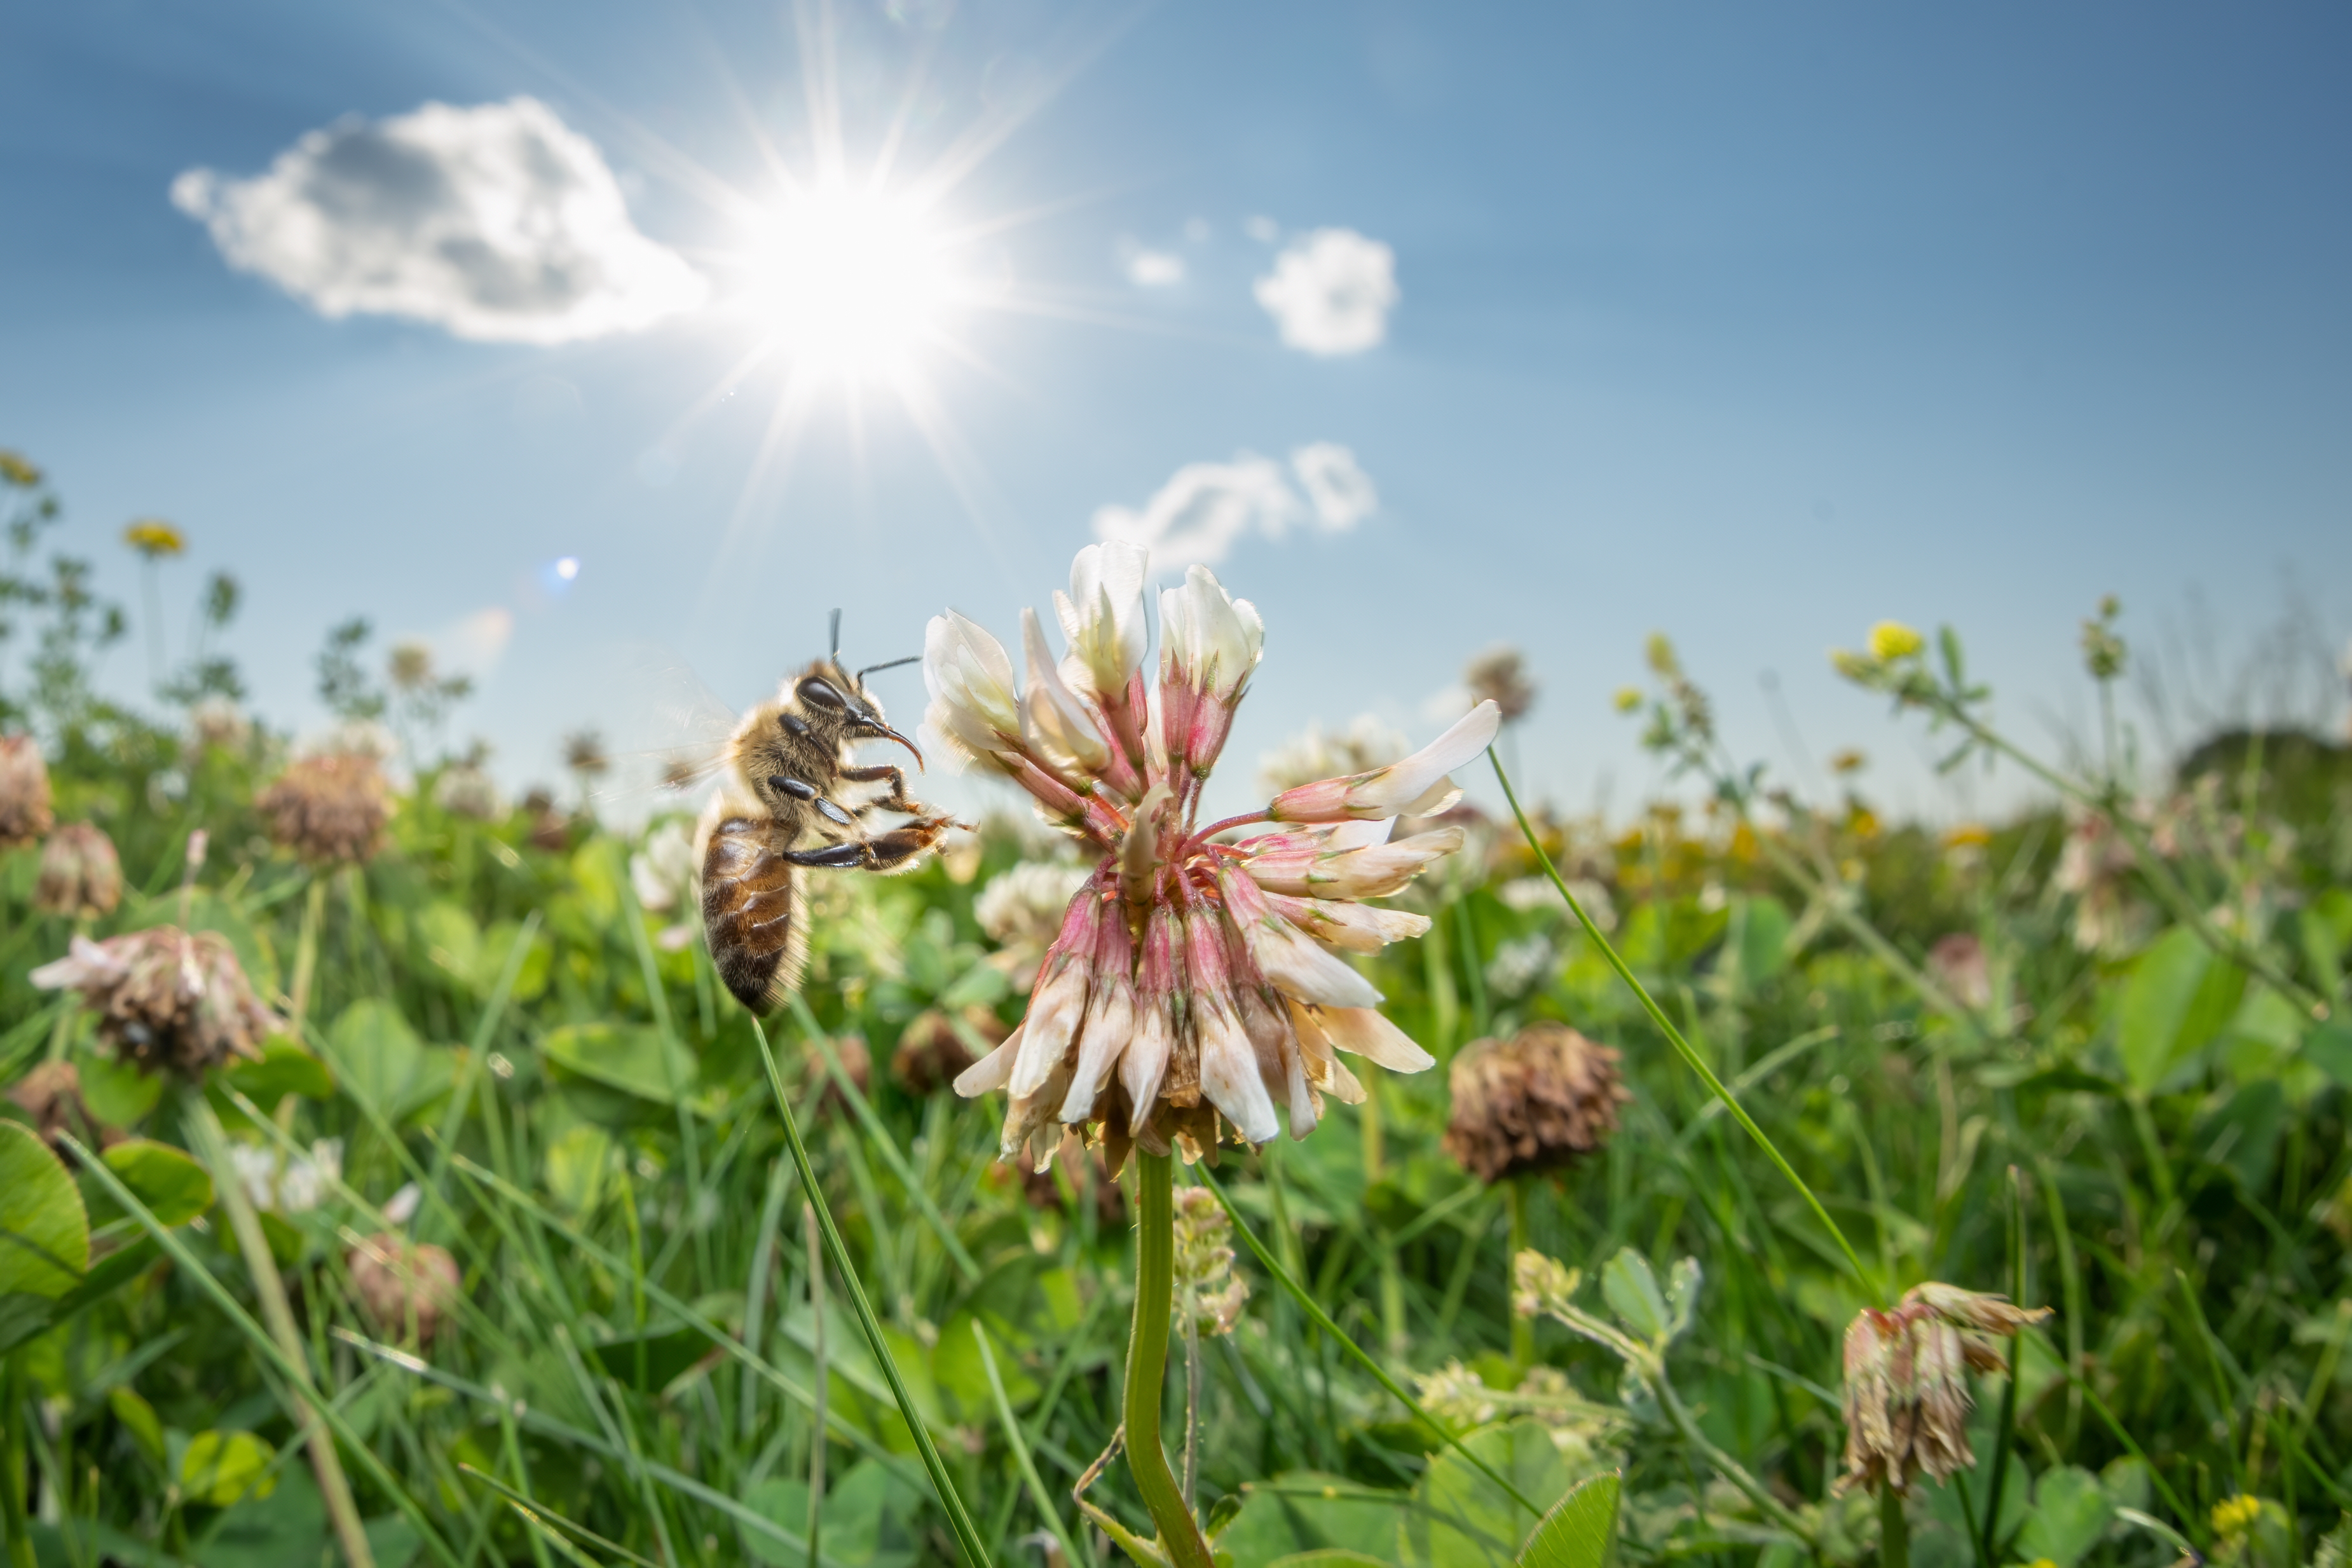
(683, 730)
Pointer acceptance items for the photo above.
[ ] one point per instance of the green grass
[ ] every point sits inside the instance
(2148, 1138)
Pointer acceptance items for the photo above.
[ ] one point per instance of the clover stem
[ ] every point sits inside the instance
(1894, 1530)
(1147, 1362)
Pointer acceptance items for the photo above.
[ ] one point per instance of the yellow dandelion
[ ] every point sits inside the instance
(2236, 1515)
(1627, 699)
(154, 539)
(15, 470)
(1891, 639)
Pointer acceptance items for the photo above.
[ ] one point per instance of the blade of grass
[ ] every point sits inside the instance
(755, 1290)
(485, 1029)
(967, 1535)
(192, 1268)
(883, 1143)
(1681, 1046)
(1322, 1320)
(1037, 1492)
(531, 1508)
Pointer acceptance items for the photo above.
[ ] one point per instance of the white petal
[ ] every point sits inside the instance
(1372, 1037)
(1109, 1025)
(1304, 1113)
(1055, 1008)
(991, 1071)
(1361, 835)
(1145, 1062)
(1400, 784)
(1298, 967)
(1229, 1075)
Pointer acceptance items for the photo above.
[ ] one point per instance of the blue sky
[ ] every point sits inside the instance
(1749, 324)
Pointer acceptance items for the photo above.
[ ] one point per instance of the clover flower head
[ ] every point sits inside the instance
(80, 876)
(1906, 1390)
(1538, 1101)
(165, 998)
(330, 809)
(1192, 987)
(25, 814)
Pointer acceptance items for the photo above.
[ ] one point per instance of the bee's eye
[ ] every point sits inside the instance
(822, 694)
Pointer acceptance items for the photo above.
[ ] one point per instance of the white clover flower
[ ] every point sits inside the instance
(1193, 986)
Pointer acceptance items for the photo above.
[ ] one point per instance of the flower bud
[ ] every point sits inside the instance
(23, 792)
(1540, 1284)
(82, 879)
(1536, 1102)
(1205, 1277)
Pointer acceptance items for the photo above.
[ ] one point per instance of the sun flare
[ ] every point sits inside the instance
(850, 281)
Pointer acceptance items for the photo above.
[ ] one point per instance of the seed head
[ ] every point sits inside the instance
(1499, 675)
(1906, 1388)
(165, 998)
(1536, 1101)
(25, 814)
(81, 878)
(1204, 1263)
(330, 809)
(398, 1281)
(1188, 989)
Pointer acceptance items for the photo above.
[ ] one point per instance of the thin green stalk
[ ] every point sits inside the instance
(1322, 1320)
(1683, 1046)
(755, 1292)
(967, 1534)
(306, 952)
(270, 1290)
(2005, 1431)
(883, 1143)
(188, 1266)
(1523, 1329)
(811, 1239)
(1147, 1362)
(2070, 1282)
(1038, 1495)
(633, 918)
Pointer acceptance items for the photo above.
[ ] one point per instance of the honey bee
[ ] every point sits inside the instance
(779, 813)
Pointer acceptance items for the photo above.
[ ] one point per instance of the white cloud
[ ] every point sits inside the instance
(1263, 229)
(1331, 292)
(497, 222)
(1204, 507)
(1149, 269)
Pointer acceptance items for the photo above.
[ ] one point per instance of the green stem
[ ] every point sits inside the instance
(2004, 1432)
(1523, 1329)
(306, 952)
(1675, 1038)
(1147, 1362)
(1894, 1530)
(812, 1240)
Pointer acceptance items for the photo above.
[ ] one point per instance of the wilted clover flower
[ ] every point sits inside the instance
(1906, 1387)
(402, 1283)
(330, 809)
(25, 813)
(1536, 1101)
(165, 998)
(933, 1051)
(50, 1097)
(81, 877)
(1499, 675)
(1204, 1262)
(1193, 983)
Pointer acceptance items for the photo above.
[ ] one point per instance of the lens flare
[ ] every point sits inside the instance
(849, 281)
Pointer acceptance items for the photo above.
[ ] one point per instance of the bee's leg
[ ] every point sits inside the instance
(800, 789)
(887, 851)
(897, 799)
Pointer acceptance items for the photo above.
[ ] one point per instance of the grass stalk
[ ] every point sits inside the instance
(1681, 1046)
(817, 1381)
(1038, 1495)
(12, 1415)
(270, 1290)
(960, 1520)
(1146, 1362)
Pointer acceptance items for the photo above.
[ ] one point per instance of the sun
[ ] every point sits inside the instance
(850, 281)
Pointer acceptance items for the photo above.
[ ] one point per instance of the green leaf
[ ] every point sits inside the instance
(139, 1419)
(633, 1059)
(1462, 1517)
(284, 1068)
(576, 1162)
(1763, 939)
(1329, 1557)
(44, 1228)
(1301, 1514)
(2070, 1511)
(163, 1177)
(2329, 1049)
(652, 1361)
(117, 1094)
(376, 1054)
(1580, 1531)
(1630, 1288)
(220, 1468)
(2178, 996)
(785, 1504)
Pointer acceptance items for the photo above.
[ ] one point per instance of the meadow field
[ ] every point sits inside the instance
(489, 1229)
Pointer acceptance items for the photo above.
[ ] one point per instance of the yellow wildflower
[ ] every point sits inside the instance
(1891, 639)
(15, 470)
(153, 537)
(1848, 762)
(2236, 1515)
(1628, 698)
(1968, 836)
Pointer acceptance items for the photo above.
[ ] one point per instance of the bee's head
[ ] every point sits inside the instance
(834, 701)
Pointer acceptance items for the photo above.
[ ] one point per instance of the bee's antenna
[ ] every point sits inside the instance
(836, 636)
(910, 659)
